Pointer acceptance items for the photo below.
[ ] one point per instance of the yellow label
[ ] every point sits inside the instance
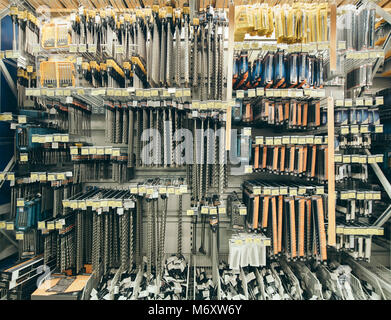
(24, 157)
(51, 177)
(10, 176)
(81, 205)
(19, 236)
(2, 224)
(163, 190)
(65, 204)
(204, 209)
(212, 211)
(170, 190)
(190, 212)
(20, 203)
(116, 152)
(149, 190)
(34, 176)
(58, 225)
(10, 226)
(60, 176)
(100, 151)
(73, 204)
(41, 225)
(50, 225)
(42, 177)
(89, 203)
(134, 190)
(242, 211)
(142, 189)
(104, 203)
(21, 119)
(266, 242)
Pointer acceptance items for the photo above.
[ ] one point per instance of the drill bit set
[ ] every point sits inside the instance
(54, 35)
(296, 23)
(289, 114)
(290, 155)
(277, 70)
(295, 224)
(56, 74)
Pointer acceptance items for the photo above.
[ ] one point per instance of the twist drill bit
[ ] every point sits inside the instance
(180, 225)
(131, 245)
(130, 139)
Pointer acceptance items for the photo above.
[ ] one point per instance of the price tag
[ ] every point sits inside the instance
(213, 210)
(379, 128)
(248, 169)
(20, 202)
(379, 158)
(92, 150)
(292, 192)
(58, 225)
(239, 94)
(60, 176)
(251, 93)
(267, 191)
(24, 157)
(360, 195)
(22, 119)
(109, 150)
(346, 159)
(379, 101)
(162, 190)
(260, 91)
(222, 210)
(190, 212)
(142, 189)
(19, 236)
(364, 128)
(41, 225)
(242, 211)
(33, 176)
(42, 177)
(116, 152)
(50, 225)
(344, 130)
(178, 191)
(2, 224)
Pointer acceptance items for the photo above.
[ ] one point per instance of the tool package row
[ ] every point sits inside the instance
(278, 70)
(309, 161)
(357, 206)
(28, 30)
(356, 115)
(146, 47)
(296, 23)
(290, 114)
(99, 167)
(356, 26)
(295, 224)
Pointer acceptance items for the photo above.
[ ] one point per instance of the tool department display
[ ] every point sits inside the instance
(162, 155)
